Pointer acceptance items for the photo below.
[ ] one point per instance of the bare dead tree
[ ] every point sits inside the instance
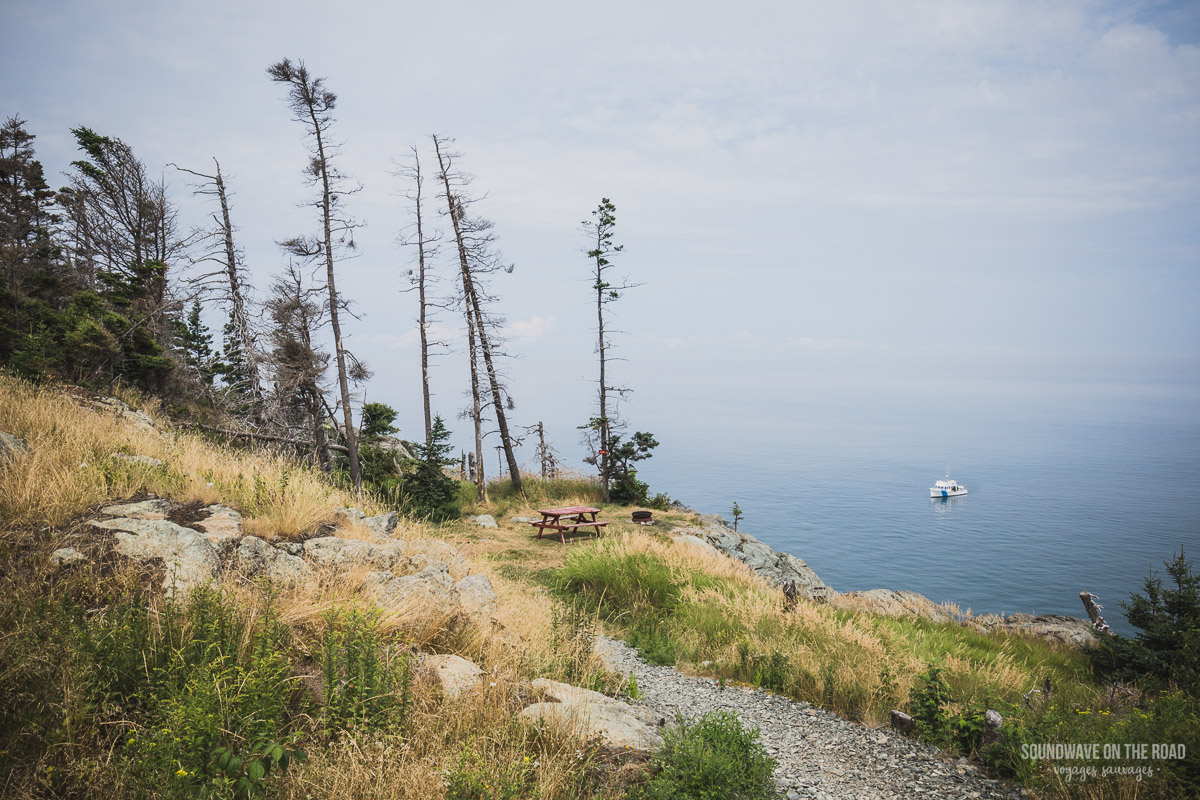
(312, 105)
(478, 258)
(217, 246)
(423, 278)
(599, 231)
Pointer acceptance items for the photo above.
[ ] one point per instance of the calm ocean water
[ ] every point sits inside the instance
(1071, 486)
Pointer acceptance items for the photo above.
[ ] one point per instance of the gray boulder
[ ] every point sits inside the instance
(383, 525)
(333, 551)
(485, 521)
(190, 559)
(256, 556)
(619, 724)
(476, 595)
(11, 447)
(455, 674)
(432, 586)
(896, 604)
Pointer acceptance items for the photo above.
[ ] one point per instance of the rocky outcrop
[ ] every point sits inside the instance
(145, 509)
(256, 557)
(11, 447)
(485, 521)
(189, 558)
(139, 419)
(476, 595)
(1056, 627)
(619, 724)
(429, 571)
(895, 604)
(778, 568)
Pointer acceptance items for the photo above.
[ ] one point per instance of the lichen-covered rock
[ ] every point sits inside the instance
(11, 447)
(67, 557)
(431, 586)
(145, 509)
(475, 594)
(439, 551)
(619, 724)
(189, 557)
(455, 674)
(256, 556)
(333, 551)
(521, 519)
(382, 525)
(485, 521)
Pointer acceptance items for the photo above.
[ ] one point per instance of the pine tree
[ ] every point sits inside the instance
(427, 491)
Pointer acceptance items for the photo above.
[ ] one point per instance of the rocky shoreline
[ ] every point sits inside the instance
(715, 534)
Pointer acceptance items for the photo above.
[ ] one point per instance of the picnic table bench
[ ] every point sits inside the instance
(568, 519)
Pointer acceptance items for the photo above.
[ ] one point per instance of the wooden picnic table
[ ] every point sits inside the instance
(568, 519)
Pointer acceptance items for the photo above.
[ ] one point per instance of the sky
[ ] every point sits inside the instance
(809, 194)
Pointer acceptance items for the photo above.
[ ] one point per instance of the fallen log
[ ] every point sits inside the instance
(265, 437)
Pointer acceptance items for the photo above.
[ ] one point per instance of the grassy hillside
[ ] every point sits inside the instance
(110, 688)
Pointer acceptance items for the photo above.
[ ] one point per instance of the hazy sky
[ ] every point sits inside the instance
(809, 191)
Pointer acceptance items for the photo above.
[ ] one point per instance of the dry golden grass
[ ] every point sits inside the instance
(69, 468)
(857, 663)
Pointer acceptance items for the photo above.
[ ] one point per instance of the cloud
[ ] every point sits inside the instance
(533, 328)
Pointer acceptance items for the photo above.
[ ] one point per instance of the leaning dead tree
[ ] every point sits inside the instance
(477, 260)
(217, 247)
(312, 105)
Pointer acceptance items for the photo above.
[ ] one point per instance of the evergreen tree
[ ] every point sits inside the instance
(195, 345)
(426, 491)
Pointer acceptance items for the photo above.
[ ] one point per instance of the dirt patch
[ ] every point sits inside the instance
(188, 514)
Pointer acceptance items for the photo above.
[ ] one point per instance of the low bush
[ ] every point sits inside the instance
(711, 759)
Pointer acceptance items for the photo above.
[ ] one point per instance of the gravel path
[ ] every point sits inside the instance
(821, 756)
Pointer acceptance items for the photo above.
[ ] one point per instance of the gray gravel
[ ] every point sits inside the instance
(821, 756)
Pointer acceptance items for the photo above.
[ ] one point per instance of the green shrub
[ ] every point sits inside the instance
(472, 779)
(711, 759)
(1166, 650)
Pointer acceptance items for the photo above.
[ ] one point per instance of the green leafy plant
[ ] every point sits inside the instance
(714, 758)
(365, 685)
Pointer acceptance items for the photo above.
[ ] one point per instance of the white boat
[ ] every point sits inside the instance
(947, 488)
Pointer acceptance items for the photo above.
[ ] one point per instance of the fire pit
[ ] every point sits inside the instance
(643, 517)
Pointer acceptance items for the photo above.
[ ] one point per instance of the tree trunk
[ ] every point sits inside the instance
(497, 398)
(343, 376)
(468, 308)
(423, 322)
(241, 323)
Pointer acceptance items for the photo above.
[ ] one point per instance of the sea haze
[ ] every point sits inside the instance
(1072, 486)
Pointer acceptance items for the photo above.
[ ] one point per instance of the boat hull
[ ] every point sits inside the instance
(947, 492)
